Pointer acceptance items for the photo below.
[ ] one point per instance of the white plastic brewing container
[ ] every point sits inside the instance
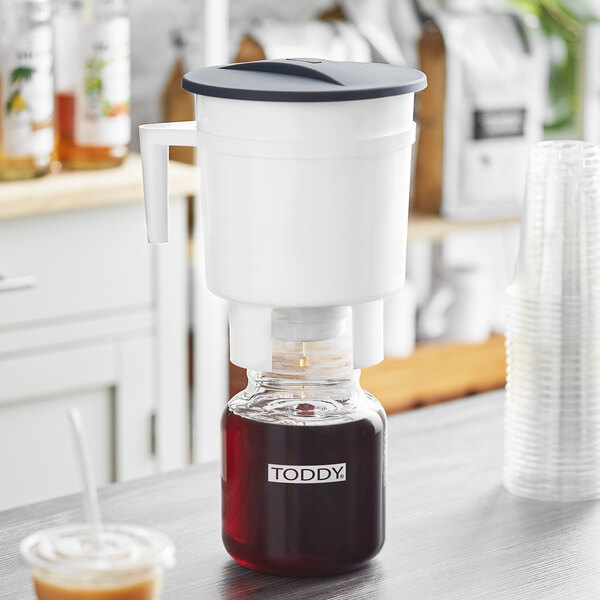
(305, 205)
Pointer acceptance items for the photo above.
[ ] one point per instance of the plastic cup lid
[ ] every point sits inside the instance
(71, 550)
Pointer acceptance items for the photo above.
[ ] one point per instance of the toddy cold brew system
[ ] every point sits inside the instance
(305, 169)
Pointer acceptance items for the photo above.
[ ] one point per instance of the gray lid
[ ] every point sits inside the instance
(304, 80)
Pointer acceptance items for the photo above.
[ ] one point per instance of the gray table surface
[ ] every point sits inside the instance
(452, 532)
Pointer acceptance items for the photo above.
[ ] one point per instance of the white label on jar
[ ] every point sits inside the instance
(306, 473)
(27, 94)
(103, 90)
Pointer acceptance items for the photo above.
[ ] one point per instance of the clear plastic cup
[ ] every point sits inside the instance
(568, 372)
(560, 233)
(67, 564)
(541, 366)
(543, 398)
(552, 418)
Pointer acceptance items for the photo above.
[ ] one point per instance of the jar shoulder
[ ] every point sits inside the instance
(308, 406)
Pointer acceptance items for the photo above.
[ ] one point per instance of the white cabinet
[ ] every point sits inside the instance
(78, 263)
(104, 382)
(92, 317)
(34, 433)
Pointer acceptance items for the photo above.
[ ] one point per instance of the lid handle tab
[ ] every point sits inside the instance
(312, 68)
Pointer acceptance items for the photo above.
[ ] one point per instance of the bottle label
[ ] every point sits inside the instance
(27, 94)
(103, 90)
(499, 123)
(334, 473)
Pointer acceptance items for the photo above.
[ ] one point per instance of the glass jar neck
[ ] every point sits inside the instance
(309, 364)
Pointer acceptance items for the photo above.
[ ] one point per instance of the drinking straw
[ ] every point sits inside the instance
(89, 492)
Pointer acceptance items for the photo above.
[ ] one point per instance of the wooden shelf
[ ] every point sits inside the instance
(74, 190)
(437, 372)
(434, 228)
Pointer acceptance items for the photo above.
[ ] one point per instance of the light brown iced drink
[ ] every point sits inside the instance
(144, 590)
(68, 564)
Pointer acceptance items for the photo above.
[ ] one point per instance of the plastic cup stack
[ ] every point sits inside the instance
(552, 427)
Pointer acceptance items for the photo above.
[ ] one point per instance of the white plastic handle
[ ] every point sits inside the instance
(155, 140)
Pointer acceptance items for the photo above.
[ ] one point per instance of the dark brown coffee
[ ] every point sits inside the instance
(303, 500)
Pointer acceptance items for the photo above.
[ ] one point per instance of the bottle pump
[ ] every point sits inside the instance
(305, 167)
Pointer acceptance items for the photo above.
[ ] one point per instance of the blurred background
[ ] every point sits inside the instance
(93, 317)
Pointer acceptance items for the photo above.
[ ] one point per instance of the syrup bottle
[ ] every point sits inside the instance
(303, 481)
(93, 83)
(26, 94)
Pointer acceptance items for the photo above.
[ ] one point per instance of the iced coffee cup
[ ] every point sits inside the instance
(68, 564)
